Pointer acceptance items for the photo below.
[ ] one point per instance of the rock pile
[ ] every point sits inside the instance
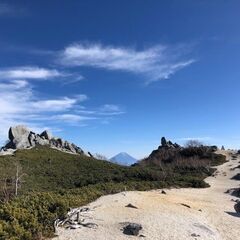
(166, 150)
(168, 144)
(20, 137)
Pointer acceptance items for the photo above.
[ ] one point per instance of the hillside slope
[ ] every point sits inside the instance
(53, 181)
(210, 215)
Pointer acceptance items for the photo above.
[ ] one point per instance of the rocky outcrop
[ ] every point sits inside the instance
(168, 144)
(166, 150)
(20, 137)
(172, 153)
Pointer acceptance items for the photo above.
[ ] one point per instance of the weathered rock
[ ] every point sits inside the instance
(163, 192)
(163, 141)
(132, 229)
(236, 177)
(17, 132)
(214, 148)
(46, 134)
(90, 155)
(237, 207)
(20, 138)
(168, 144)
(78, 149)
(69, 147)
(41, 141)
(234, 192)
(32, 139)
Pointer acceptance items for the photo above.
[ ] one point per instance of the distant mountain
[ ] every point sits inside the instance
(123, 159)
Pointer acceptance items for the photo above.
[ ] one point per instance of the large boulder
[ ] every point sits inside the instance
(18, 137)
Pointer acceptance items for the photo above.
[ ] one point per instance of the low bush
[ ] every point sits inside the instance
(54, 181)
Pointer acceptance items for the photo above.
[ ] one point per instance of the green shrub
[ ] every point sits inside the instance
(55, 181)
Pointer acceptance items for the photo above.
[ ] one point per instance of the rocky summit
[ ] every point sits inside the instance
(20, 137)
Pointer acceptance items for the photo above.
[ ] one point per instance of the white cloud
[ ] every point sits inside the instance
(104, 110)
(61, 104)
(19, 105)
(110, 109)
(72, 118)
(28, 72)
(158, 62)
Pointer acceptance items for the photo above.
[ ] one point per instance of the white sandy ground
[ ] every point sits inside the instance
(163, 217)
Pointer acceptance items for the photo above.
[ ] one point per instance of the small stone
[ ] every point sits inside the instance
(131, 206)
(132, 229)
(185, 205)
(195, 235)
(163, 192)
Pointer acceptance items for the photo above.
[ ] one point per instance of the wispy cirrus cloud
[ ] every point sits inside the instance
(29, 72)
(110, 109)
(104, 110)
(155, 63)
(73, 119)
(57, 104)
(19, 104)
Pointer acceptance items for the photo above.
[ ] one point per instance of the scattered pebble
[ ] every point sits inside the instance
(132, 229)
(185, 205)
(195, 235)
(131, 206)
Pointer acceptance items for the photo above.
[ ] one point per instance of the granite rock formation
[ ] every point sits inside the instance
(20, 137)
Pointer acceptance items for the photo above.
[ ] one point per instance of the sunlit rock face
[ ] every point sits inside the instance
(20, 137)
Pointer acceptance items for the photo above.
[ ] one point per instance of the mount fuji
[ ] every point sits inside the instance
(123, 159)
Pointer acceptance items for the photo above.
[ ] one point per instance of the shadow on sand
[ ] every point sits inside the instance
(234, 214)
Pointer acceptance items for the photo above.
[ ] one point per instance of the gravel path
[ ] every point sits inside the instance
(211, 215)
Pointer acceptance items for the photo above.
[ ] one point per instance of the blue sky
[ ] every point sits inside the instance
(115, 76)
